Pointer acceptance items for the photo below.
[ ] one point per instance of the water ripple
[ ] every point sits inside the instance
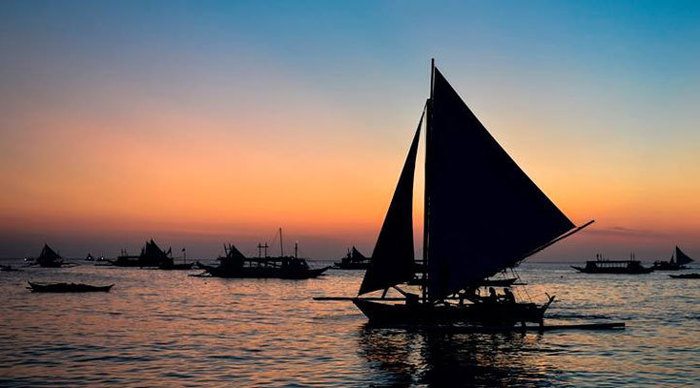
(163, 328)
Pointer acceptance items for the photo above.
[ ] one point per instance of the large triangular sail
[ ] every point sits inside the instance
(485, 214)
(233, 252)
(682, 258)
(392, 260)
(355, 255)
(48, 254)
(153, 251)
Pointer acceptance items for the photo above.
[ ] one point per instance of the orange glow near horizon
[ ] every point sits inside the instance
(224, 177)
(240, 151)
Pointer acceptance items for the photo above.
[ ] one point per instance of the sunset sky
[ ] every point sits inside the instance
(199, 123)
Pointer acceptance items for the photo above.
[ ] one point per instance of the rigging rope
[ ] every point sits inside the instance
(527, 294)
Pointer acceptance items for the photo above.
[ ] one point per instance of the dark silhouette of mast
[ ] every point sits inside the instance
(281, 245)
(426, 193)
(260, 249)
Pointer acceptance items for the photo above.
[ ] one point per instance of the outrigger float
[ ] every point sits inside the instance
(483, 216)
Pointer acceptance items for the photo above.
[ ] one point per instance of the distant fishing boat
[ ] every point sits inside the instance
(8, 268)
(48, 258)
(483, 215)
(677, 262)
(67, 287)
(171, 265)
(353, 260)
(686, 276)
(151, 256)
(600, 265)
(235, 265)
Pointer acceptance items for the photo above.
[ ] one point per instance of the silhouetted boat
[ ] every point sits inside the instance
(600, 265)
(353, 260)
(90, 257)
(686, 276)
(8, 268)
(236, 265)
(151, 256)
(483, 216)
(677, 262)
(67, 287)
(48, 258)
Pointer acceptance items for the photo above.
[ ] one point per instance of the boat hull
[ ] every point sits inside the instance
(686, 276)
(488, 314)
(620, 271)
(263, 272)
(133, 263)
(67, 287)
(53, 264)
(666, 266)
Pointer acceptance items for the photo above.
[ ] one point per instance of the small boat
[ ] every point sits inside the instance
(483, 216)
(151, 256)
(600, 265)
(686, 276)
(353, 260)
(67, 287)
(677, 262)
(235, 265)
(89, 257)
(48, 258)
(8, 268)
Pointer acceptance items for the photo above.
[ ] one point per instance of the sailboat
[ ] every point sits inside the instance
(48, 258)
(483, 215)
(678, 261)
(353, 260)
(151, 256)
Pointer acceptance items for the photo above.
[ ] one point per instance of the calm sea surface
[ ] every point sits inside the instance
(163, 328)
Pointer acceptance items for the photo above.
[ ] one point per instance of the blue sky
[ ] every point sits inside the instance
(596, 100)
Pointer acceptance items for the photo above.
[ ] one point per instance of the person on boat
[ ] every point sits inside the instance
(493, 297)
(508, 296)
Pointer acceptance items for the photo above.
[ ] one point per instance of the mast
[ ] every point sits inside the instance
(426, 193)
(281, 245)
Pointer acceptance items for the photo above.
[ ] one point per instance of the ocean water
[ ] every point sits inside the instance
(164, 328)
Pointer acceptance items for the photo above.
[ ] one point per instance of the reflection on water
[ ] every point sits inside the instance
(436, 359)
(165, 328)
